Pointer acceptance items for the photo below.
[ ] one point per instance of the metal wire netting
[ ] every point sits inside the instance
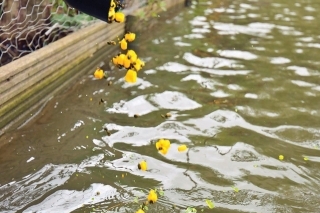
(28, 25)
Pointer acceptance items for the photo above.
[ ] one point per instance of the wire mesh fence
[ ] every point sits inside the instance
(28, 25)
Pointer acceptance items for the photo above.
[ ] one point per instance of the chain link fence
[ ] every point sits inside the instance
(28, 25)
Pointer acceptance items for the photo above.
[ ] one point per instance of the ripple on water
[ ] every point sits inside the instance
(18, 194)
(138, 105)
(279, 60)
(256, 29)
(237, 54)
(208, 83)
(220, 94)
(302, 83)
(302, 71)
(220, 119)
(209, 62)
(173, 100)
(182, 44)
(177, 67)
(69, 200)
(140, 136)
(199, 21)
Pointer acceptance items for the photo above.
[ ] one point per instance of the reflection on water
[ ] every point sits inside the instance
(241, 82)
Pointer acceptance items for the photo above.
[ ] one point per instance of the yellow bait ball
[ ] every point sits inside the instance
(115, 60)
(152, 197)
(123, 44)
(130, 36)
(120, 59)
(127, 63)
(163, 146)
(138, 64)
(182, 148)
(142, 165)
(99, 74)
(132, 56)
(131, 76)
(119, 17)
(140, 211)
(281, 157)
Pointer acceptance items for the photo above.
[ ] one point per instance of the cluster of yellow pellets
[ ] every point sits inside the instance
(113, 15)
(130, 60)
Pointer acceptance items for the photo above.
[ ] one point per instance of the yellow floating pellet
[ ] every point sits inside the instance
(182, 148)
(99, 74)
(127, 63)
(131, 76)
(123, 44)
(121, 58)
(119, 17)
(130, 36)
(143, 165)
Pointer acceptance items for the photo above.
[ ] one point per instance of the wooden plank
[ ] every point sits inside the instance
(29, 60)
(46, 67)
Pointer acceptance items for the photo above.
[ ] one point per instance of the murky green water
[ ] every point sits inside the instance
(241, 80)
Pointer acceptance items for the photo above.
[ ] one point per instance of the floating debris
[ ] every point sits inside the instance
(210, 204)
(106, 129)
(101, 101)
(111, 42)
